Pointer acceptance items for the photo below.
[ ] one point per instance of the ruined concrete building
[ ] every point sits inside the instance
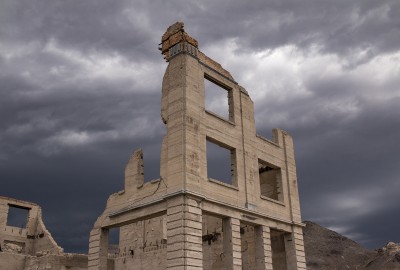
(191, 217)
(186, 219)
(29, 246)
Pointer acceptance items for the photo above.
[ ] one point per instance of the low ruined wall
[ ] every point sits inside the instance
(142, 244)
(56, 262)
(43, 241)
(11, 261)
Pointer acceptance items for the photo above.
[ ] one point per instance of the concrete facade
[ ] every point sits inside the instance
(187, 219)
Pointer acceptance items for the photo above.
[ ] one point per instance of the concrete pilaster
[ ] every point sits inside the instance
(184, 234)
(263, 248)
(98, 249)
(294, 246)
(232, 244)
(3, 216)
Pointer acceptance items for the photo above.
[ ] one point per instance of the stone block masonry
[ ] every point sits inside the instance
(187, 219)
(191, 217)
(26, 244)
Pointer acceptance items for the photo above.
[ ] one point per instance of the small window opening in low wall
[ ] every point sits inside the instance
(270, 181)
(17, 216)
(13, 247)
(279, 261)
(151, 160)
(218, 98)
(113, 240)
(221, 162)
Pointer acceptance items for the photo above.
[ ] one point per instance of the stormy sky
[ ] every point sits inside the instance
(80, 89)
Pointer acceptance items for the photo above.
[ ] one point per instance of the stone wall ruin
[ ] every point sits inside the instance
(188, 218)
(27, 244)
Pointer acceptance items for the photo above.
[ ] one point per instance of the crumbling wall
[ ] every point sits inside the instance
(32, 237)
(12, 261)
(213, 248)
(31, 246)
(211, 223)
(43, 240)
(56, 262)
(143, 244)
(214, 255)
(15, 239)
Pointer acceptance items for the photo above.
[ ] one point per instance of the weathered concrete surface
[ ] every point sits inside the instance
(186, 219)
(31, 246)
(252, 219)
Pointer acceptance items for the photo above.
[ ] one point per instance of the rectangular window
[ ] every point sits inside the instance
(17, 216)
(151, 160)
(218, 98)
(221, 162)
(113, 240)
(247, 241)
(278, 249)
(213, 242)
(270, 181)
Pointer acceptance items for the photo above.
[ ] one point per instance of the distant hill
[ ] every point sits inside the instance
(328, 250)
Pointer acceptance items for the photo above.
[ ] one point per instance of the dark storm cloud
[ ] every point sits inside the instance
(348, 161)
(83, 25)
(80, 90)
(340, 27)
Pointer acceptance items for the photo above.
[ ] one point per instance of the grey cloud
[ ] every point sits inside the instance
(336, 149)
(338, 27)
(341, 154)
(85, 25)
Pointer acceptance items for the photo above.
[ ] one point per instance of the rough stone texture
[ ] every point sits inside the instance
(31, 239)
(185, 219)
(387, 257)
(204, 223)
(143, 244)
(31, 246)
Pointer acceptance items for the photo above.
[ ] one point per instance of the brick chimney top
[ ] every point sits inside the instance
(175, 40)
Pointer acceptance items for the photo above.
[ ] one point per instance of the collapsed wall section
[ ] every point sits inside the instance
(26, 244)
(28, 237)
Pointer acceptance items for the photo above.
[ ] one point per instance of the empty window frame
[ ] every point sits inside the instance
(221, 162)
(270, 181)
(278, 248)
(248, 245)
(151, 161)
(113, 240)
(17, 216)
(218, 98)
(213, 242)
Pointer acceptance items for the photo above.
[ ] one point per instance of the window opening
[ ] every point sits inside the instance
(113, 241)
(17, 216)
(213, 244)
(278, 250)
(217, 98)
(270, 181)
(220, 163)
(151, 161)
(248, 245)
